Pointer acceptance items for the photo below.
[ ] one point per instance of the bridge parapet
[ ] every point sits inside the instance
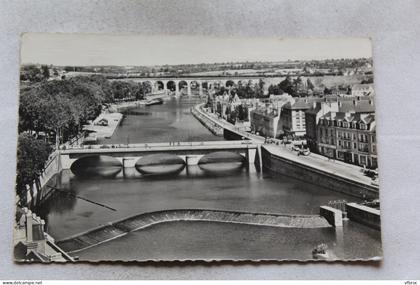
(166, 146)
(191, 152)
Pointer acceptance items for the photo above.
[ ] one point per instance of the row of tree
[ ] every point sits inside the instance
(130, 90)
(244, 90)
(53, 111)
(295, 87)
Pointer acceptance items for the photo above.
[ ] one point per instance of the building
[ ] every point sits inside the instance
(266, 118)
(349, 137)
(333, 104)
(312, 117)
(293, 116)
(265, 122)
(362, 90)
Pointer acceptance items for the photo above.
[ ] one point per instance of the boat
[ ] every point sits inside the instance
(156, 101)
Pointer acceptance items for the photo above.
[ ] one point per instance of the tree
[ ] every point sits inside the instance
(61, 106)
(310, 85)
(287, 85)
(45, 72)
(31, 157)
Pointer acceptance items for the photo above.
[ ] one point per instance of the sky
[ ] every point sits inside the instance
(94, 49)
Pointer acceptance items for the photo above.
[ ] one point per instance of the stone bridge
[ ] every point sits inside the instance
(190, 152)
(199, 83)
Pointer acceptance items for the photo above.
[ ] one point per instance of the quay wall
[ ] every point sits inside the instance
(316, 176)
(52, 167)
(333, 216)
(365, 215)
(212, 126)
(121, 107)
(232, 136)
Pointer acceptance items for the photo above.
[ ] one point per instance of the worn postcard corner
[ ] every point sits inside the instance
(185, 148)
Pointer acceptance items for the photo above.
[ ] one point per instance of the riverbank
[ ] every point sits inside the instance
(124, 106)
(213, 127)
(315, 168)
(104, 125)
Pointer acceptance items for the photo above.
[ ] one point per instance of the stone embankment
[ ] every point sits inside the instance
(206, 121)
(124, 106)
(120, 228)
(112, 120)
(316, 169)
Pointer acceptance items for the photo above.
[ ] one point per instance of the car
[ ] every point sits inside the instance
(304, 152)
(296, 148)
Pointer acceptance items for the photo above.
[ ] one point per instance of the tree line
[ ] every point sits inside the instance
(53, 111)
(244, 90)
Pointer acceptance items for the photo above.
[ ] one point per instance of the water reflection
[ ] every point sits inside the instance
(169, 122)
(221, 162)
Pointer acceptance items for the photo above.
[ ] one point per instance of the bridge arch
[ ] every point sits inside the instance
(160, 164)
(171, 85)
(160, 85)
(222, 162)
(183, 86)
(96, 165)
(195, 87)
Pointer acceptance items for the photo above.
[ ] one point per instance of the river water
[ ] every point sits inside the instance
(131, 193)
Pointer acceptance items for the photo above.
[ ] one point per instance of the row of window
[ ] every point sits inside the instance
(362, 146)
(346, 135)
(353, 158)
(343, 124)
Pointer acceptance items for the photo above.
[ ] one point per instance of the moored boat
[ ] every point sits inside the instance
(156, 101)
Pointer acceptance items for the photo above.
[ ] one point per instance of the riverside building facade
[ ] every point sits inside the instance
(349, 135)
(266, 119)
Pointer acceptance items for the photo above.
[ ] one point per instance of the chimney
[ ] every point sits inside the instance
(354, 102)
(358, 98)
(340, 104)
(371, 102)
(314, 105)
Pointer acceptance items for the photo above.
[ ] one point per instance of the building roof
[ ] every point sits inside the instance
(362, 86)
(357, 106)
(368, 119)
(302, 103)
(345, 104)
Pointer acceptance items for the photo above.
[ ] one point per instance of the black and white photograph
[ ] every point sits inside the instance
(198, 148)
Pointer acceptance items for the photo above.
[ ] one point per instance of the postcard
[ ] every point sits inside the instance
(173, 148)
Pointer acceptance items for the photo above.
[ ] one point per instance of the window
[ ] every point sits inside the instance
(354, 145)
(374, 162)
(362, 126)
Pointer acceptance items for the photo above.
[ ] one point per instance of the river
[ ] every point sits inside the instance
(131, 193)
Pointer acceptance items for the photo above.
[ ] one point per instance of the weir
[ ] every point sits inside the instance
(122, 227)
